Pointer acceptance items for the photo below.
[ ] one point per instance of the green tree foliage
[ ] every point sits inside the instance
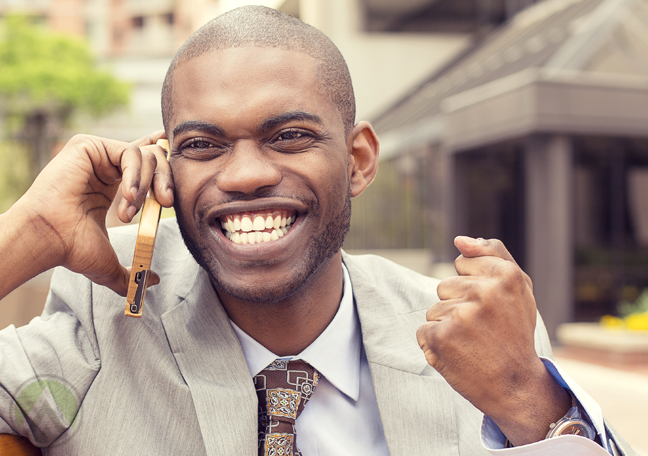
(45, 78)
(15, 173)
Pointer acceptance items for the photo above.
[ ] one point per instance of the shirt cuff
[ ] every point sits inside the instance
(493, 439)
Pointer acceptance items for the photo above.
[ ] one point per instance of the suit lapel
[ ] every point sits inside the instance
(415, 402)
(211, 361)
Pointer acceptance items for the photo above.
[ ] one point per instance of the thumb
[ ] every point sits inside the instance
(112, 275)
(472, 248)
(119, 280)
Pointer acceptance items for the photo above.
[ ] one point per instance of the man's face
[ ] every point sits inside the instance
(260, 163)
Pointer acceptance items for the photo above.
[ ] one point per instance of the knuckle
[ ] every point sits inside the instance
(496, 243)
(432, 311)
(459, 261)
(149, 158)
(78, 138)
(84, 141)
(448, 287)
(512, 275)
(476, 290)
(460, 315)
(529, 281)
(422, 335)
(507, 269)
(428, 335)
(131, 150)
(498, 247)
(160, 154)
(442, 287)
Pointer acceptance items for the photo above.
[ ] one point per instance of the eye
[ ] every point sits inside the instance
(201, 149)
(199, 144)
(290, 135)
(293, 140)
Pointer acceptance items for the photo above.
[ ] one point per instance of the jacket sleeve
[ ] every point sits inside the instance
(47, 366)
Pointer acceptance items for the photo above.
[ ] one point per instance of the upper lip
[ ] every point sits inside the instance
(257, 205)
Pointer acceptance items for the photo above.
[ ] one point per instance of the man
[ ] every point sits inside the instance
(259, 112)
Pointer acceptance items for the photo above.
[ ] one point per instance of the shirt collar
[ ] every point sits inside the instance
(335, 353)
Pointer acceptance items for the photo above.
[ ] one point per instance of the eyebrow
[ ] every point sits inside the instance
(268, 124)
(285, 117)
(197, 125)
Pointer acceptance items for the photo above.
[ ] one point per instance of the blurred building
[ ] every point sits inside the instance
(537, 135)
(388, 45)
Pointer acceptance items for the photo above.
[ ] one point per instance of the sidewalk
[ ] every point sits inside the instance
(622, 394)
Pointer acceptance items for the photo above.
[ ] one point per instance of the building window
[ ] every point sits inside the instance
(138, 22)
(440, 16)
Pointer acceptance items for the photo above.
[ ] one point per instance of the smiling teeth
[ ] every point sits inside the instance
(258, 224)
(258, 228)
(246, 224)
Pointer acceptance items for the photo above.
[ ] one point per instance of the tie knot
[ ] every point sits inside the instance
(284, 388)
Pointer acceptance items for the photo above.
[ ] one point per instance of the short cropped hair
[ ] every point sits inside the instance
(259, 26)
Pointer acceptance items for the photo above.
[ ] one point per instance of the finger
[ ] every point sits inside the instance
(424, 337)
(142, 163)
(111, 161)
(442, 310)
(452, 288)
(153, 279)
(430, 337)
(130, 164)
(131, 186)
(163, 186)
(110, 273)
(490, 266)
(471, 248)
(126, 211)
(149, 139)
(149, 165)
(481, 265)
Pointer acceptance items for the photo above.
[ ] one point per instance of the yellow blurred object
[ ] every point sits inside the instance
(167, 212)
(637, 322)
(610, 322)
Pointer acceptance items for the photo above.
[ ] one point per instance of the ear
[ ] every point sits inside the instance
(363, 160)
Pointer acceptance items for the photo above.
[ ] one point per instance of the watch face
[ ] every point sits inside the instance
(575, 429)
(572, 427)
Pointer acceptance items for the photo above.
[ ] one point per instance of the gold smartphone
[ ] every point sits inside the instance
(144, 245)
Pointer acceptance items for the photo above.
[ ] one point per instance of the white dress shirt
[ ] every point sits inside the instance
(342, 417)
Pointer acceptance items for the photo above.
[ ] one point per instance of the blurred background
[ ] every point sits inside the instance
(521, 120)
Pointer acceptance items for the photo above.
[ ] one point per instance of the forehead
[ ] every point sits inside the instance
(249, 84)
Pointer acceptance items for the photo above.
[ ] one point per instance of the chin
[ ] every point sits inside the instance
(269, 287)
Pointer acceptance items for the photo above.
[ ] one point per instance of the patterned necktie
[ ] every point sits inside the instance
(283, 388)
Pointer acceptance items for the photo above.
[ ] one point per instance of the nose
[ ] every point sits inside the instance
(248, 170)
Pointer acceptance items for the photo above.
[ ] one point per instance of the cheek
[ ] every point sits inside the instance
(190, 181)
(182, 182)
(332, 187)
(190, 175)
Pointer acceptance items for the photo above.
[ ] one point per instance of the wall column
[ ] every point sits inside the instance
(549, 236)
(455, 201)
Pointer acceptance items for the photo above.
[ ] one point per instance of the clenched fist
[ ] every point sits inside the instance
(480, 338)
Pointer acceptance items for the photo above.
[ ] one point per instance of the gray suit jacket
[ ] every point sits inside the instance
(175, 382)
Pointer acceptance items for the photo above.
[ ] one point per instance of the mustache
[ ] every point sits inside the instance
(312, 203)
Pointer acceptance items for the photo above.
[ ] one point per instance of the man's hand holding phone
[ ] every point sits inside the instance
(61, 219)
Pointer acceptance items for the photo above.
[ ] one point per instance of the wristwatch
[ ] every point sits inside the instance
(570, 424)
